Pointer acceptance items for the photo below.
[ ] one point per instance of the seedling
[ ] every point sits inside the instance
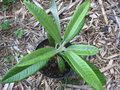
(5, 25)
(6, 4)
(8, 1)
(33, 62)
(5, 7)
(19, 33)
(9, 59)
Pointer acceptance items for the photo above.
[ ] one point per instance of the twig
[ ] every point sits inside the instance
(103, 11)
(112, 6)
(85, 87)
(37, 4)
(108, 67)
(5, 87)
(3, 17)
(12, 45)
(113, 56)
(11, 86)
(117, 20)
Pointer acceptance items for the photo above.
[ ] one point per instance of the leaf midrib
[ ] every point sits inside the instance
(84, 72)
(75, 26)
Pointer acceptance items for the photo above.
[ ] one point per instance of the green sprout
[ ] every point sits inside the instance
(5, 25)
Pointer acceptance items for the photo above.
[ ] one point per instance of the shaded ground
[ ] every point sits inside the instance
(99, 31)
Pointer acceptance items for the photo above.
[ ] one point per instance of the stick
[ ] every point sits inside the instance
(103, 11)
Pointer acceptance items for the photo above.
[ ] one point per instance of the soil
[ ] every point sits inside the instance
(51, 69)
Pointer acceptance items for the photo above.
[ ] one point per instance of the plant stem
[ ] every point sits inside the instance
(62, 47)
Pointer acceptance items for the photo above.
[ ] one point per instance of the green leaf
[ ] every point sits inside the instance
(37, 56)
(84, 70)
(8, 1)
(82, 49)
(54, 12)
(5, 25)
(51, 40)
(19, 33)
(97, 72)
(44, 20)
(5, 7)
(92, 66)
(19, 73)
(61, 64)
(7, 22)
(77, 22)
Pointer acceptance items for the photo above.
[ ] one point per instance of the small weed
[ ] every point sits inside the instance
(5, 25)
(5, 7)
(8, 59)
(6, 4)
(19, 33)
(17, 55)
(8, 1)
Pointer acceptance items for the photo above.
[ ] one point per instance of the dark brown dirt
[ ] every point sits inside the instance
(51, 69)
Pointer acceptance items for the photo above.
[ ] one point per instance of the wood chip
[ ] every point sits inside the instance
(103, 11)
(108, 67)
(5, 87)
(84, 87)
(47, 87)
(112, 56)
(117, 19)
